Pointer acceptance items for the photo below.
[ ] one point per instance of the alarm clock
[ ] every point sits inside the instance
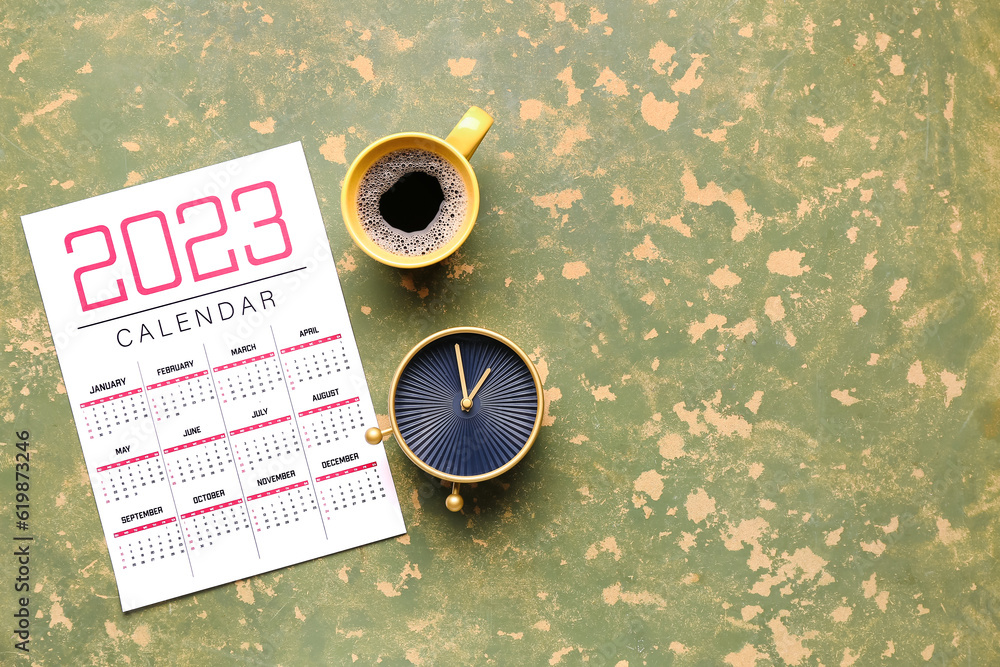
(465, 405)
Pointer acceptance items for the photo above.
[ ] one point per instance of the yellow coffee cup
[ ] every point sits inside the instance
(456, 150)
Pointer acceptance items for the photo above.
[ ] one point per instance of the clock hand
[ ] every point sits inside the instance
(461, 375)
(475, 389)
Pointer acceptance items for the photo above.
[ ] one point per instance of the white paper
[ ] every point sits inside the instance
(217, 390)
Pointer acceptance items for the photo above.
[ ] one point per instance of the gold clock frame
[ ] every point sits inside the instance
(376, 435)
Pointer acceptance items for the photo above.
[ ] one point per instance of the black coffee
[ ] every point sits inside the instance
(412, 202)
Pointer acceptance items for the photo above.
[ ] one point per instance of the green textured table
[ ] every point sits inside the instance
(748, 245)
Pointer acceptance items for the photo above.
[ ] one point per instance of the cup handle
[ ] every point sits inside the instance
(470, 131)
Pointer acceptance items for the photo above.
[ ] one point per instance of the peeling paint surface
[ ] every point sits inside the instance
(751, 247)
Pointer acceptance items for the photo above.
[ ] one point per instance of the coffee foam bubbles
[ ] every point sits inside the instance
(383, 175)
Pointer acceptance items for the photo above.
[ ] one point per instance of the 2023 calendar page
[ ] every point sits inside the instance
(213, 375)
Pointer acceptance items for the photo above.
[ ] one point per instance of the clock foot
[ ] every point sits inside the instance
(375, 435)
(454, 502)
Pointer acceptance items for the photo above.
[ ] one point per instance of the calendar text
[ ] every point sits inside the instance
(264, 481)
(209, 496)
(329, 463)
(153, 511)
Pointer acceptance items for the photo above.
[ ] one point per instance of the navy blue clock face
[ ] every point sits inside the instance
(466, 404)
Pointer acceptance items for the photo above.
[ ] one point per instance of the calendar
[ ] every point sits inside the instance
(213, 376)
